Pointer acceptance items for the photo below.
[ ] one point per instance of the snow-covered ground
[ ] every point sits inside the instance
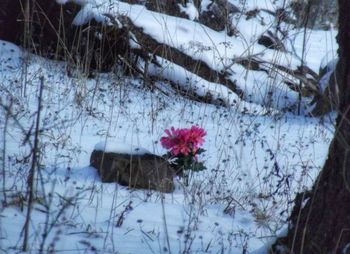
(256, 163)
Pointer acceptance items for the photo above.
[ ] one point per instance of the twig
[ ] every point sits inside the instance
(35, 158)
(4, 152)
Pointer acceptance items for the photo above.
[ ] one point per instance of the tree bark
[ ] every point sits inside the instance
(322, 225)
(45, 28)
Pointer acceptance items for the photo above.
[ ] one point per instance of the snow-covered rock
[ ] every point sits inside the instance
(137, 170)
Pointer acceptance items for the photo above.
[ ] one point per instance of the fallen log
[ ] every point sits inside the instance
(198, 67)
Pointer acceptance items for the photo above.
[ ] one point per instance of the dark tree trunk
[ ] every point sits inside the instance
(45, 28)
(34, 24)
(10, 12)
(322, 225)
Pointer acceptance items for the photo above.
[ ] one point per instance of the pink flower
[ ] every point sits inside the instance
(181, 148)
(172, 139)
(183, 141)
(197, 136)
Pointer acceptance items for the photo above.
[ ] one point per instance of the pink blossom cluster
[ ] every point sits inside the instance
(183, 141)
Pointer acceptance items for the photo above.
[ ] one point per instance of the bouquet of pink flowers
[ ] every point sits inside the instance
(184, 146)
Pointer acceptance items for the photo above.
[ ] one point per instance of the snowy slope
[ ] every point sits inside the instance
(255, 162)
(241, 155)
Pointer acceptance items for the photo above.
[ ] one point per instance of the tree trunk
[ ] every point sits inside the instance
(45, 28)
(322, 225)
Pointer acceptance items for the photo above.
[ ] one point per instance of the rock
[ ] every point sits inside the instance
(147, 171)
(218, 15)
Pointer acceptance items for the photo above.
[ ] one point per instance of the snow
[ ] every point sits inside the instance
(257, 4)
(239, 150)
(346, 248)
(86, 14)
(204, 5)
(180, 76)
(329, 60)
(257, 159)
(324, 81)
(118, 147)
(272, 91)
(80, 2)
(196, 40)
(327, 66)
(319, 45)
(190, 10)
